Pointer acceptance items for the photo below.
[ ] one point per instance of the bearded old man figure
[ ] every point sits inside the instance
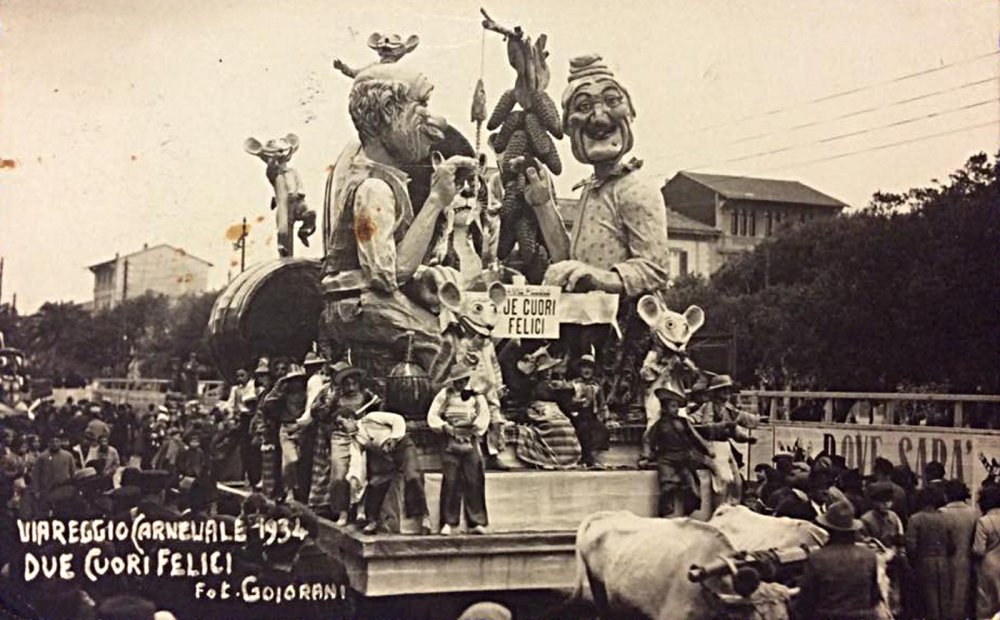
(375, 279)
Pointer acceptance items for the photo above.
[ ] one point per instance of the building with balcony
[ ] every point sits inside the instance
(744, 210)
(161, 269)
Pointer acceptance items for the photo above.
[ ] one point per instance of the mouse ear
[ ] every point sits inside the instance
(450, 297)
(252, 146)
(498, 294)
(649, 309)
(293, 141)
(375, 40)
(412, 42)
(695, 317)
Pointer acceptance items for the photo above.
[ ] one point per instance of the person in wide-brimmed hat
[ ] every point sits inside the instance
(840, 579)
(342, 399)
(462, 416)
(588, 410)
(677, 449)
(546, 436)
(282, 407)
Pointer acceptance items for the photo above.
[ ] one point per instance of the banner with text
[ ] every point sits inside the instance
(959, 450)
(530, 312)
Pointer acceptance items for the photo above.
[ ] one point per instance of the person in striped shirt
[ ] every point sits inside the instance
(462, 416)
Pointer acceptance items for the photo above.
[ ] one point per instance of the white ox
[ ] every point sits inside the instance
(638, 567)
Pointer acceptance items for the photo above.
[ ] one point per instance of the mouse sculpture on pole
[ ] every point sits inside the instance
(289, 202)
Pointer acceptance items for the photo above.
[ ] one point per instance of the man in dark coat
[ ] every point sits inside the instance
(928, 547)
(840, 580)
(960, 520)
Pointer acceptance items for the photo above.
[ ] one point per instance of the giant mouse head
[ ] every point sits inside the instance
(275, 151)
(672, 329)
(473, 312)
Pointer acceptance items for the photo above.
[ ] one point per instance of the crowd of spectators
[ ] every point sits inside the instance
(945, 546)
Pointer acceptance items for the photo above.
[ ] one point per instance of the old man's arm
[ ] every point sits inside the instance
(385, 265)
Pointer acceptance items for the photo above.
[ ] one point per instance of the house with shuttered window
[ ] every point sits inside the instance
(745, 210)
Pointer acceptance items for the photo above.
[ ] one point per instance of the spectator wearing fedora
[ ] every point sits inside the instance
(462, 416)
(839, 581)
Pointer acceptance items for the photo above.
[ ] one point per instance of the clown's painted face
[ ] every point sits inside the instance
(598, 120)
(414, 130)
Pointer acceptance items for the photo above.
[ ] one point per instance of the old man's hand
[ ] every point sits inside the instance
(430, 280)
(578, 277)
(443, 184)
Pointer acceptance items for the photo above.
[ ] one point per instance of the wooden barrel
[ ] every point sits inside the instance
(271, 309)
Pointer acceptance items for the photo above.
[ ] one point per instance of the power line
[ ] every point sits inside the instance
(851, 134)
(840, 94)
(853, 113)
(891, 104)
(884, 146)
(860, 151)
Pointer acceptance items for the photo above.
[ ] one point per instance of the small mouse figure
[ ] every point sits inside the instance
(289, 200)
(390, 48)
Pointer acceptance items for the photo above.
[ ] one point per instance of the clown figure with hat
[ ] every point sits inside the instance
(342, 401)
(462, 416)
(619, 242)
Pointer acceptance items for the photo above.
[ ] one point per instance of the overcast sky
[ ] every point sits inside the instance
(125, 120)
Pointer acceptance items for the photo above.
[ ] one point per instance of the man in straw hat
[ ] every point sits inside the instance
(840, 580)
(341, 399)
(282, 407)
(462, 416)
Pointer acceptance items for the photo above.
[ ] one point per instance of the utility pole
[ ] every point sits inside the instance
(125, 342)
(241, 245)
(125, 281)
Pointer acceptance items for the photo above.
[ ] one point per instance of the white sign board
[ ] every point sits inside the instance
(531, 312)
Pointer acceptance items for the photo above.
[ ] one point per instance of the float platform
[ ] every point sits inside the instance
(530, 545)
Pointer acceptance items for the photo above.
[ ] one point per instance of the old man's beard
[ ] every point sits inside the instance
(593, 143)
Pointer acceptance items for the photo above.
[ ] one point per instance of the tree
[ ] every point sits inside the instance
(903, 292)
(148, 334)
